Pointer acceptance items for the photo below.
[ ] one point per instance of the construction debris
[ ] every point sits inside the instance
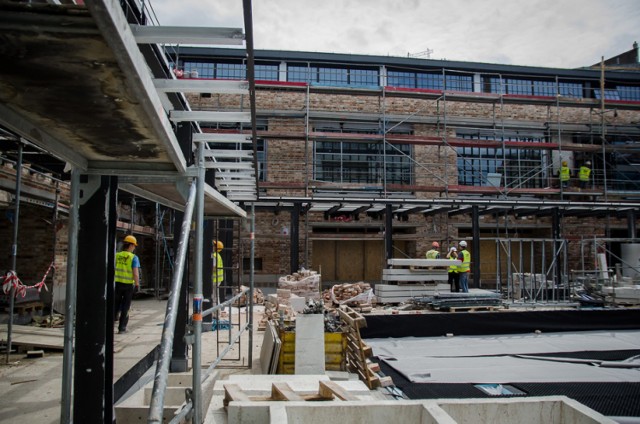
(356, 294)
(304, 283)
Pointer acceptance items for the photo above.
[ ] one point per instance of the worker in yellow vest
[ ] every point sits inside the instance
(127, 279)
(465, 268)
(584, 174)
(565, 174)
(454, 277)
(434, 253)
(217, 273)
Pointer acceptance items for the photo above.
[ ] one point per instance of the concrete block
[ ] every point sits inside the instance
(310, 357)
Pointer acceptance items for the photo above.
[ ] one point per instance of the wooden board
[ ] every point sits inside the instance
(373, 259)
(49, 338)
(349, 260)
(324, 258)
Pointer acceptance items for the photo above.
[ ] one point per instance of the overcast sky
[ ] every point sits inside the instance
(548, 33)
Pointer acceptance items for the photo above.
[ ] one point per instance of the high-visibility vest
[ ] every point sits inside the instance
(453, 268)
(584, 173)
(466, 262)
(124, 270)
(433, 254)
(218, 272)
(564, 173)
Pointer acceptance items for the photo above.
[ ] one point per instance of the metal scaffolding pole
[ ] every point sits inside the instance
(70, 299)
(14, 247)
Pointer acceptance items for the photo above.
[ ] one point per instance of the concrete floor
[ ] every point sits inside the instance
(30, 389)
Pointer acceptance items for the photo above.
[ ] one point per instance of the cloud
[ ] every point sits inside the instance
(548, 33)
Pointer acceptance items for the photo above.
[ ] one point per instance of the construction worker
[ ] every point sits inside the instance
(584, 174)
(454, 277)
(434, 253)
(217, 274)
(565, 174)
(465, 268)
(127, 279)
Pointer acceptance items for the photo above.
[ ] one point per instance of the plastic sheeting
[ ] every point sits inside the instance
(499, 359)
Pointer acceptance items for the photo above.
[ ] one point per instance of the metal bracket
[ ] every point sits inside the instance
(88, 189)
(183, 186)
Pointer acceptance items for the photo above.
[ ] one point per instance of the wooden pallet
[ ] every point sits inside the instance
(27, 307)
(327, 391)
(358, 352)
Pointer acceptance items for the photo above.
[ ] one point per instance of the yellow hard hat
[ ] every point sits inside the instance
(131, 239)
(218, 244)
(564, 163)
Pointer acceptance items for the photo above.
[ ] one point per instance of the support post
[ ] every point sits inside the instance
(70, 300)
(294, 234)
(388, 232)
(475, 246)
(631, 224)
(94, 319)
(14, 246)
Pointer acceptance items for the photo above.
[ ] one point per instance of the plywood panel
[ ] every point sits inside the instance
(324, 258)
(373, 260)
(349, 260)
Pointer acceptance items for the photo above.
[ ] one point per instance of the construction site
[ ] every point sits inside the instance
(324, 183)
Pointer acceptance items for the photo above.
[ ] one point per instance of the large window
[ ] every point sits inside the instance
(629, 93)
(528, 87)
(332, 76)
(223, 70)
(361, 162)
(432, 81)
(515, 168)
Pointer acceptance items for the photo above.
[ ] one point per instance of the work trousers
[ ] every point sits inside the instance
(122, 302)
(454, 282)
(464, 282)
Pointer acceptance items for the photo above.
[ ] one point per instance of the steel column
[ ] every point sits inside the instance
(475, 245)
(93, 366)
(294, 235)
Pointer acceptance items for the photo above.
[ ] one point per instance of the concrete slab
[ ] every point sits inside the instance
(310, 344)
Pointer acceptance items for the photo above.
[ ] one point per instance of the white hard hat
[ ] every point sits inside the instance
(453, 249)
(463, 243)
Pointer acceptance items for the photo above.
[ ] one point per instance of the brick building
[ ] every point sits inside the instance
(344, 140)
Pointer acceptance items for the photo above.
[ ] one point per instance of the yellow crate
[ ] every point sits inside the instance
(335, 345)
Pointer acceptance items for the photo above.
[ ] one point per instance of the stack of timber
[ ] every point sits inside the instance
(409, 278)
(358, 352)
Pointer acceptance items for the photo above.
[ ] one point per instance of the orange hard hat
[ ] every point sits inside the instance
(435, 244)
(130, 239)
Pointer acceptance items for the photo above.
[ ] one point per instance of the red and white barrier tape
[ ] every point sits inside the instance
(11, 280)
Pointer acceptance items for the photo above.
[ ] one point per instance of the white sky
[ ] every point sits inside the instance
(546, 33)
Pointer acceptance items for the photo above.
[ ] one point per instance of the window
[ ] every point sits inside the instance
(301, 74)
(629, 93)
(570, 89)
(527, 87)
(609, 94)
(356, 162)
(432, 80)
(361, 162)
(266, 72)
(237, 71)
(332, 76)
(522, 168)
(401, 79)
